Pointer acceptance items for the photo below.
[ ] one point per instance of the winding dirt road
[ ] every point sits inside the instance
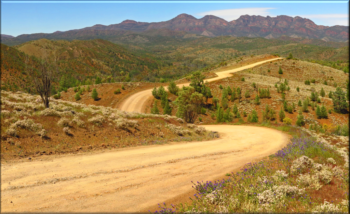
(131, 179)
(136, 102)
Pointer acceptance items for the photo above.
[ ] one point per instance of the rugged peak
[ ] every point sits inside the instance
(128, 21)
(98, 25)
(184, 16)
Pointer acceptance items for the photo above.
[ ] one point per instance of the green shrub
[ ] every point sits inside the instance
(117, 91)
(77, 96)
(123, 87)
(94, 94)
(57, 96)
(242, 79)
(253, 117)
(300, 119)
(281, 115)
(287, 121)
(298, 89)
(280, 70)
(247, 94)
(307, 82)
(257, 100)
(203, 111)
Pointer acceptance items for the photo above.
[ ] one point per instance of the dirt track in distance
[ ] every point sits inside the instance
(136, 102)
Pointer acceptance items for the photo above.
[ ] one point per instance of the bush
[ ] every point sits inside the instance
(300, 119)
(64, 122)
(313, 81)
(154, 109)
(117, 91)
(203, 111)
(173, 88)
(77, 96)
(253, 117)
(280, 70)
(242, 79)
(257, 100)
(298, 89)
(322, 93)
(281, 115)
(269, 114)
(339, 101)
(57, 96)
(287, 121)
(94, 94)
(200, 119)
(307, 82)
(123, 87)
(247, 94)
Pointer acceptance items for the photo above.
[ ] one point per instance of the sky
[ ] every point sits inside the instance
(19, 17)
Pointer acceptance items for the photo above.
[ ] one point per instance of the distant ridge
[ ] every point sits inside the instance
(245, 26)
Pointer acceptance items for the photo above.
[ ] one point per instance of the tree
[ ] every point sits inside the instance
(280, 70)
(257, 100)
(314, 96)
(300, 119)
(155, 93)
(219, 115)
(324, 113)
(299, 103)
(305, 105)
(339, 101)
(42, 77)
(247, 95)
(167, 109)
(269, 114)
(224, 103)
(154, 109)
(290, 56)
(228, 117)
(197, 81)
(322, 93)
(77, 96)
(164, 99)
(215, 102)
(229, 90)
(189, 104)
(254, 117)
(207, 94)
(98, 80)
(281, 115)
(94, 94)
(173, 88)
(239, 95)
(318, 112)
(233, 96)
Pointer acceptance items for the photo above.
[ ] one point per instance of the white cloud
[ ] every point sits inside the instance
(328, 19)
(233, 14)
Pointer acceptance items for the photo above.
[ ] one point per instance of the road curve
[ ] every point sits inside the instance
(136, 102)
(132, 179)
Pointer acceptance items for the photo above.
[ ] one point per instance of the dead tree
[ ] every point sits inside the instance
(42, 77)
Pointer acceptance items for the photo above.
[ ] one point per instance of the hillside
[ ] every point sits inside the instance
(77, 61)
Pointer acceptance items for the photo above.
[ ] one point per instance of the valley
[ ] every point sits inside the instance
(187, 115)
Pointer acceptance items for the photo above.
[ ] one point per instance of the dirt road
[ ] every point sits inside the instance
(136, 102)
(132, 179)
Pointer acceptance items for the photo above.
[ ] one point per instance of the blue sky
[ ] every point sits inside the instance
(26, 18)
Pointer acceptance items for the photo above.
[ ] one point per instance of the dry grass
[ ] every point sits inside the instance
(70, 127)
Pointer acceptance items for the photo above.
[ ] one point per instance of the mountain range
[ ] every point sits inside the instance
(208, 26)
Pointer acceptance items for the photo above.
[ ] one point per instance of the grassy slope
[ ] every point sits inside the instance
(23, 119)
